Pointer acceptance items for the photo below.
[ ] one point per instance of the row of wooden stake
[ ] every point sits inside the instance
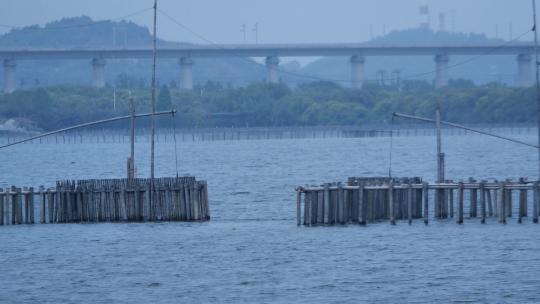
(112, 200)
(379, 199)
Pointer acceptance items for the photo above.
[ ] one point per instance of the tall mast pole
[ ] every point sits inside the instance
(440, 164)
(131, 166)
(536, 62)
(152, 147)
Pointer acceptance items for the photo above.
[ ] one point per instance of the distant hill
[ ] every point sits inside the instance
(483, 69)
(83, 32)
(79, 32)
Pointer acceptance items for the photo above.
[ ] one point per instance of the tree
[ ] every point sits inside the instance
(164, 101)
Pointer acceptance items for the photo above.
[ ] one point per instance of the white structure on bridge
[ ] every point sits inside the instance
(186, 73)
(98, 65)
(272, 53)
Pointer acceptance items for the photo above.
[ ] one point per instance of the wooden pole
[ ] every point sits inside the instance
(460, 203)
(502, 207)
(320, 207)
(425, 197)
(361, 205)
(465, 128)
(85, 125)
(341, 204)
(298, 206)
(536, 64)
(131, 162)
(307, 217)
(483, 202)
(409, 203)
(327, 204)
(536, 202)
(489, 202)
(440, 156)
(451, 198)
(2, 197)
(522, 202)
(152, 145)
(391, 203)
(42, 204)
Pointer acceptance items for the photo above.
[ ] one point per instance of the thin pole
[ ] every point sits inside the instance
(175, 145)
(439, 144)
(391, 148)
(536, 63)
(132, 139)
(256, 29)
(464, 128)
(152, 145)
(85, 125)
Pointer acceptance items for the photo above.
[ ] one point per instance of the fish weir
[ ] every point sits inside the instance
(108, 200)
(368, 200)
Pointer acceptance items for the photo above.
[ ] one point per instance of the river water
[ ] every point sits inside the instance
(252, 251)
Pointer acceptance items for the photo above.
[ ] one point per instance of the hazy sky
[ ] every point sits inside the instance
(282, 21)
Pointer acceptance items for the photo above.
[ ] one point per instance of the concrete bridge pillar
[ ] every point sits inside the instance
(441, 64)
(524, 70)
(272, 68)
(357, 71)
(186, 73)
(10, 79)
(98, 64)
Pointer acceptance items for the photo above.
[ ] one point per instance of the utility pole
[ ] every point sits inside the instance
(152, 146)
(536, 63)
(256, 30)
(243, 30)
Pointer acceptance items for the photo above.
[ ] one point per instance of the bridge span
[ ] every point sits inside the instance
(272, 52)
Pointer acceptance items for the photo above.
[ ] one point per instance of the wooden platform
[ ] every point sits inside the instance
(365, 200)
(111, 200)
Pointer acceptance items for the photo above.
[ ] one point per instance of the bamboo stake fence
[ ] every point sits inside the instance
(163, 135)
(111, 200)
(367, 200)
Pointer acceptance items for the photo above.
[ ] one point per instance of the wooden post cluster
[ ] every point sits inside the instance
(17, 206)
(365, 200)
(353, 203)
(111, 200)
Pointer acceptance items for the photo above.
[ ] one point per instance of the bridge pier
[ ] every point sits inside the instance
(357, 71)
(441, 65)
(10, 78)
(524, 70)
(272, 68)
(186, 73)
(98, 64)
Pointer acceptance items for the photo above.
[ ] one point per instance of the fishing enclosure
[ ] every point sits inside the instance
(369, 200)
(111, 200)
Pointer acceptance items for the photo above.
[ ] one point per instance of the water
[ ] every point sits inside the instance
(252, 251)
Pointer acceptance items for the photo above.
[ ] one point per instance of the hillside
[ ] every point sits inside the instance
(83, 32)
(482, 69)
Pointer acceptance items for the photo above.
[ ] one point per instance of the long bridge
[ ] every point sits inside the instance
(272, 52)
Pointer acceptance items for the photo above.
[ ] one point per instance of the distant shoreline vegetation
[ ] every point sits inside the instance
(313, 104)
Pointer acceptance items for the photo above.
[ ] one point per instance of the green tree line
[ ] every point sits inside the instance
(314, 104)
